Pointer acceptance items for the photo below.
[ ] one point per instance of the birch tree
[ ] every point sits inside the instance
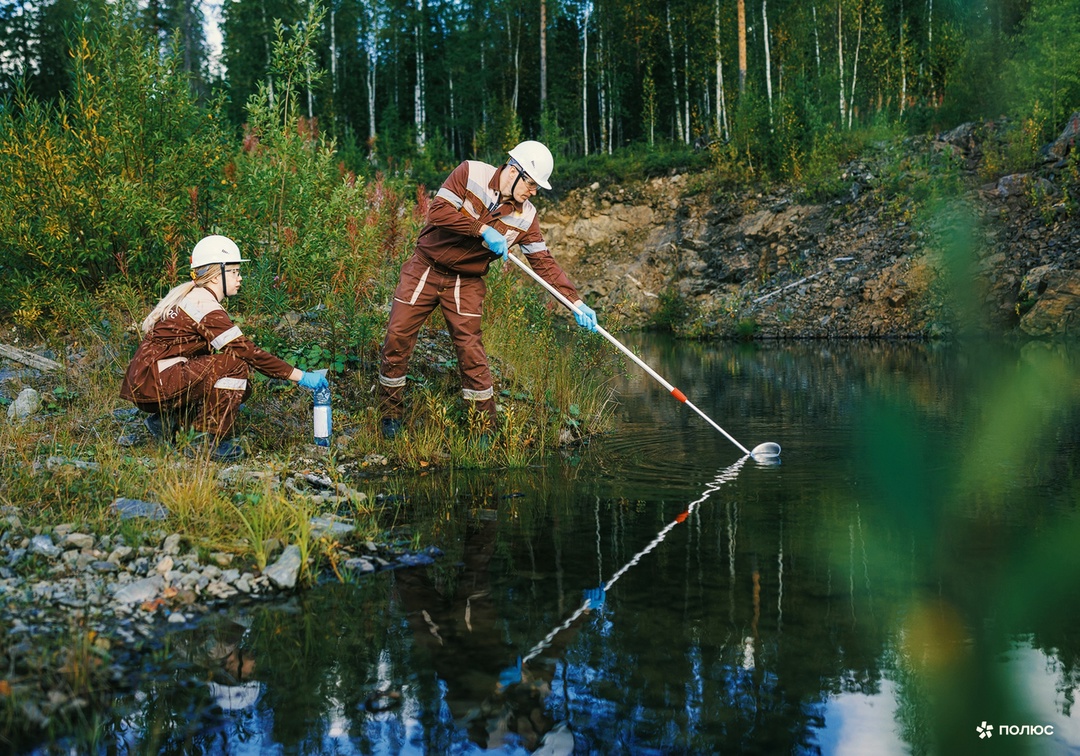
(768, 56)
(721, 102)
(674, 77)
(586, 11)
(419, 93)
(543, 55)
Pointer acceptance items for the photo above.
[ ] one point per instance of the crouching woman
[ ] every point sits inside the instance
(194, 362)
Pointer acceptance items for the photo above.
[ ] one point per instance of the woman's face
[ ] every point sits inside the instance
(231, 284)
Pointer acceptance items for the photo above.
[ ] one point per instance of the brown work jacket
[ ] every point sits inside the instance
(198, 327)
(469, 199)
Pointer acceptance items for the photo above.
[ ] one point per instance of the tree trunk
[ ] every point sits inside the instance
(266, 50)
(768, 56)
(372, 50)
(742, 47)
(674, 77)
(854, 74)
(930, 48)
(419, 95)
(516, 47)
(333, 58)
(585, 82)
(903, 66)
(543, 55)
(602, 91)
(686, 86)
(840, 58)
(721, 104)
(817, 46)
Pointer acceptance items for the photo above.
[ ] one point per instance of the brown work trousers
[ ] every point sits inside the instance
(207, 389)
(422, 288)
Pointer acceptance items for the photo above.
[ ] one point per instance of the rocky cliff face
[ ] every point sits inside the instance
(880, 260)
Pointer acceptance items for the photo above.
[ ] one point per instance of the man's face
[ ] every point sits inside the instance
(524, 188)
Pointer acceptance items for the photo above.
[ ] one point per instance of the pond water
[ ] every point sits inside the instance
(904, 581)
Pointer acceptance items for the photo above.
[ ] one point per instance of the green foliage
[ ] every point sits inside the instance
(634, 162)
(1043, 75)
(672, 311)
(1016, 146)
(116, 178)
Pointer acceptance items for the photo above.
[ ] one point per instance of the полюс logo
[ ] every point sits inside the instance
(985, 730)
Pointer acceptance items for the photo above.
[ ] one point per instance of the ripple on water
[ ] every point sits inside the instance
(673, 458)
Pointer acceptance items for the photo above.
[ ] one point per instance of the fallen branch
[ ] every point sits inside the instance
(28, 358)
(800, 281)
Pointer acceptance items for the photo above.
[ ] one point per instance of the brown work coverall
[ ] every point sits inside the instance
(196, 360)
(447, 269)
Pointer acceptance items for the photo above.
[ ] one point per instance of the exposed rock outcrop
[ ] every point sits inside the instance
(869, 261)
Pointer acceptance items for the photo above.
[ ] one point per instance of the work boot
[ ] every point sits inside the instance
(390, 427)
(161, 427)
(206, 445)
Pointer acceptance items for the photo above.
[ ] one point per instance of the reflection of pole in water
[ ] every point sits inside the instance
(780, 575)
(732, 531)
(726, 475)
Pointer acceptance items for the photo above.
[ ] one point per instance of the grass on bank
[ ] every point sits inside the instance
(65, 465)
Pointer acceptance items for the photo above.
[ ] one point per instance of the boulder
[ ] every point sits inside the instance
(1060, 147)
(1057, 310)
(26, 404)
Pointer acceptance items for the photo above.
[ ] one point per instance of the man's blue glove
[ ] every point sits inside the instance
(586, 317)
(511, 675)
(496, 242)
(314, 381)
(594, 598)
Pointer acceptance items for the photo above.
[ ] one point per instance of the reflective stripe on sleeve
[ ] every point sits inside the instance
(225, 337)
(533, 248)
(450, 197)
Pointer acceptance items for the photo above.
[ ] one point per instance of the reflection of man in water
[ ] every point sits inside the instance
(231, 667)
(488, 691)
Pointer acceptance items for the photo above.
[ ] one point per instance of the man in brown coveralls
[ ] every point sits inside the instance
(478, 213)
(195, 360)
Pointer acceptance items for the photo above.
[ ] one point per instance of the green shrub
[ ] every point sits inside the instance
(119, 177)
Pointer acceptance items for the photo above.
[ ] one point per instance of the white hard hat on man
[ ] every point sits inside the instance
(535, 159)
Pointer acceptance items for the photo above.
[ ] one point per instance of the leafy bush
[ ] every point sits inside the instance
(117, 178)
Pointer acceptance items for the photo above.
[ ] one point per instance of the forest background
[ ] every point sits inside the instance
(122, 142)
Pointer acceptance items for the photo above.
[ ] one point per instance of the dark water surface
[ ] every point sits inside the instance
(908, 573)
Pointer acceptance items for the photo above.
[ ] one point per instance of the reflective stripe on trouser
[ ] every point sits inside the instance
(210, 388)
(419, 291)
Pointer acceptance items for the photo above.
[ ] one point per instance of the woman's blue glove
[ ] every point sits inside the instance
(314, 381)
(586, 317)
(496, 242)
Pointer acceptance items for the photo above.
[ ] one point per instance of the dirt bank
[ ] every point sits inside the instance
(918, 240)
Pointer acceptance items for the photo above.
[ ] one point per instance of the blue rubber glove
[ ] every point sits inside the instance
(587, 317)
(511, 675)
(496, 242)
(314, 381)
(594, 597)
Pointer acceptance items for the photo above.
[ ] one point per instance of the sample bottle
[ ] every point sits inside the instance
(322, 421)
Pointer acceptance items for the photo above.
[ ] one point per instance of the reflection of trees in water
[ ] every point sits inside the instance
(766, 601)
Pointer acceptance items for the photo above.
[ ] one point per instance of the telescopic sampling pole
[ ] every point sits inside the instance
(768, 449)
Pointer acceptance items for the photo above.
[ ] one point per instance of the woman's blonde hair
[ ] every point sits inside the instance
(167, 306)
